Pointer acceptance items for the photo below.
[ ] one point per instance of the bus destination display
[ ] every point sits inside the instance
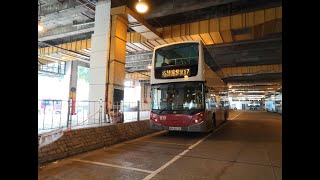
(176, 73)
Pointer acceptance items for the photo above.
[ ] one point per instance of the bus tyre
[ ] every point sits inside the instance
(214, 120)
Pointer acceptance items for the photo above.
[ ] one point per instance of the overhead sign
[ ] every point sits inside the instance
(176, 73)
(50, 137)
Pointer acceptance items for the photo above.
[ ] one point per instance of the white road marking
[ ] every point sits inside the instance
(180, 155)
(153, 173)
(235, 116)
(119, 145)
(111, 165)
(194, 145)
(148, 136)
(160, 142)
(133, 140)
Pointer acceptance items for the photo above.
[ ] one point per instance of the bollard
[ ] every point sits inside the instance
(100, 112)
(69, 117)
(122, 110)
(138, 112)
(44, 115)
(52, 113)
(107, 109)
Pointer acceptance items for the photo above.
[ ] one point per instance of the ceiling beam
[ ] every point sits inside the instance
(212, 31)
(219, 30)
(59, 7)
(238, 84)
(136, 22)
(174, 7)
(64, 31)
(251, 70)
(248, 88)
(263, 77)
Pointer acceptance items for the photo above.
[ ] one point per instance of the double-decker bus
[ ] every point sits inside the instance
(184, 79)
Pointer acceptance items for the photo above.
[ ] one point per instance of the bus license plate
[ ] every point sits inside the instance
(175, 128)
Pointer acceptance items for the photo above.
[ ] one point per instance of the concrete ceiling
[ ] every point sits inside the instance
(71, 20)
(248, 53)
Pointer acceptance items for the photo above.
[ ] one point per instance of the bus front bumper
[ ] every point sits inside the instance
(201, 127)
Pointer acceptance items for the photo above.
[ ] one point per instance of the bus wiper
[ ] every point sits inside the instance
(162, 110)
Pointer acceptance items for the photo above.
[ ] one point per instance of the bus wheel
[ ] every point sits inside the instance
(214, 120)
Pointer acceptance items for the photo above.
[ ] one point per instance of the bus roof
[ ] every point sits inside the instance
(170, 44)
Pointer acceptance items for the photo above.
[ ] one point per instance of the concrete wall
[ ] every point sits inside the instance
(86, 139)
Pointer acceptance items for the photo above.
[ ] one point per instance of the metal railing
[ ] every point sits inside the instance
(135, 111)
(55, 114)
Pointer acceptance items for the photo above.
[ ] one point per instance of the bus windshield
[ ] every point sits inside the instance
(177, 55)
(177, 96)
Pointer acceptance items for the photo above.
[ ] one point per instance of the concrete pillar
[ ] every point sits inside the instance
(73, 85)
(107, 60)
(74, 74)
(117, 59)
(99, 56)
(67, 79)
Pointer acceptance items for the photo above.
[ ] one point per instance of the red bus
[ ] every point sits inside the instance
(184, 89)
